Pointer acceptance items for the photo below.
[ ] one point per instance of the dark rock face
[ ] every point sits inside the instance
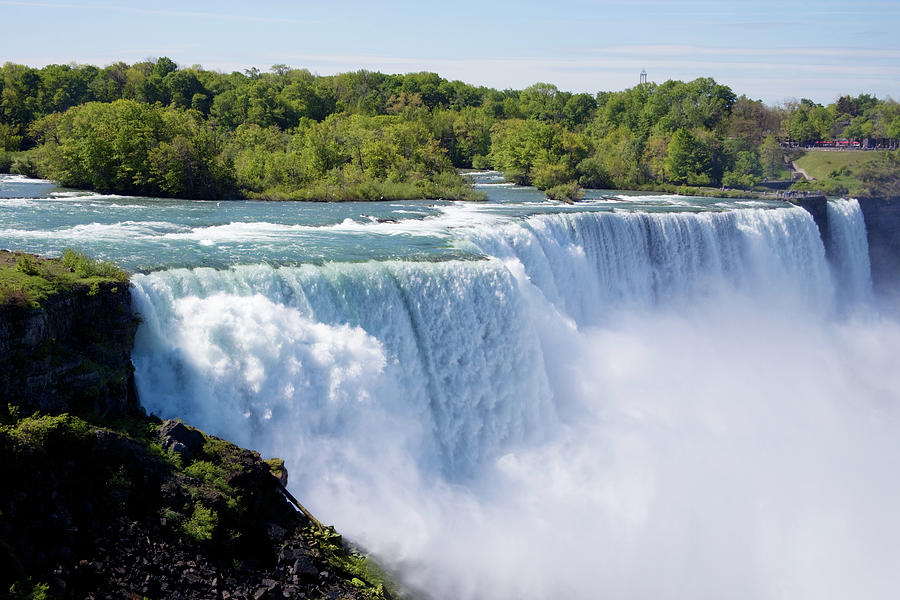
(71, 355)
(817, 207)
(882, 218)
(90, 514)
(176, 437)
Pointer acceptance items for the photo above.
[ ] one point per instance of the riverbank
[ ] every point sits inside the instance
(850, 173)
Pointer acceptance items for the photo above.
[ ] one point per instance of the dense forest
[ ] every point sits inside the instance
(154, 128)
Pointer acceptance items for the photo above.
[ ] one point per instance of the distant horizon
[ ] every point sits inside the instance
(268, 69)
(819, 50)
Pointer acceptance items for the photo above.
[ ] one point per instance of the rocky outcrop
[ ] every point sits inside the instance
(882, 218)
(90, 512)
(72, 354)
(817, 207)
(145, 565)
(175, 437)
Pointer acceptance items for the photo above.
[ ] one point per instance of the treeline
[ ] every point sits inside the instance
(154, 128)
(863, 119)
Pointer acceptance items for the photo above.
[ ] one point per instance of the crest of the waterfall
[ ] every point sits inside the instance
(589, 263)
(848, 251)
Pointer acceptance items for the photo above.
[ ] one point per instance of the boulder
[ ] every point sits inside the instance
(176, 437)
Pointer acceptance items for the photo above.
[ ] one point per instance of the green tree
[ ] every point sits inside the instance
(19, 104)
(9, 137)
(771, 156)
(752, 120)
(542, 101)
(579, 109)
(746, 170)
(532, 151)
(109, 83)
(812, 122)
(181, 87)
(135, 148)
(656, 151)
(62, 87)
(893, 130)
(164, 65)
(688, 160)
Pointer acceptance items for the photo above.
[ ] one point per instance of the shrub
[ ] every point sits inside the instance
(24, 165)
(592, 173)
(480, 161)
(551, 176)
(84, 267)
(367, 575)
(211, 474)
(202, 524)
(834, 188)
(516, 176)
(276, 465)
(29, 591)
(739, 180)
(44, 432)
(566, 191)
(26, 264)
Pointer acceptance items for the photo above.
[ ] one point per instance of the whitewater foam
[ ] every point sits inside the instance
(8, 178)
(98, 231)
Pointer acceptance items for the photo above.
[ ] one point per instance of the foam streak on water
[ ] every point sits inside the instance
(611, 404)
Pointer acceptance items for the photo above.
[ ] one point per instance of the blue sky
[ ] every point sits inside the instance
(765, 49)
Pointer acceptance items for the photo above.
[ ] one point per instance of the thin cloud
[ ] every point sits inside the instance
(781, 52)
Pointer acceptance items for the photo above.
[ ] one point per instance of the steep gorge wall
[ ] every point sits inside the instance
(882, 217)
(883, 231)
(73, 354)
(816, 206)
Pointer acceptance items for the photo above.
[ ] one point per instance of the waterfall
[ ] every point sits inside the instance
(452, 345)
(849, 252)
(626, 404)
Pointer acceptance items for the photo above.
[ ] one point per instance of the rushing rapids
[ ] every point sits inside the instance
(638, 397)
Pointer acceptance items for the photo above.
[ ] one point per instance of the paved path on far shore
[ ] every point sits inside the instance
(801, 171)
